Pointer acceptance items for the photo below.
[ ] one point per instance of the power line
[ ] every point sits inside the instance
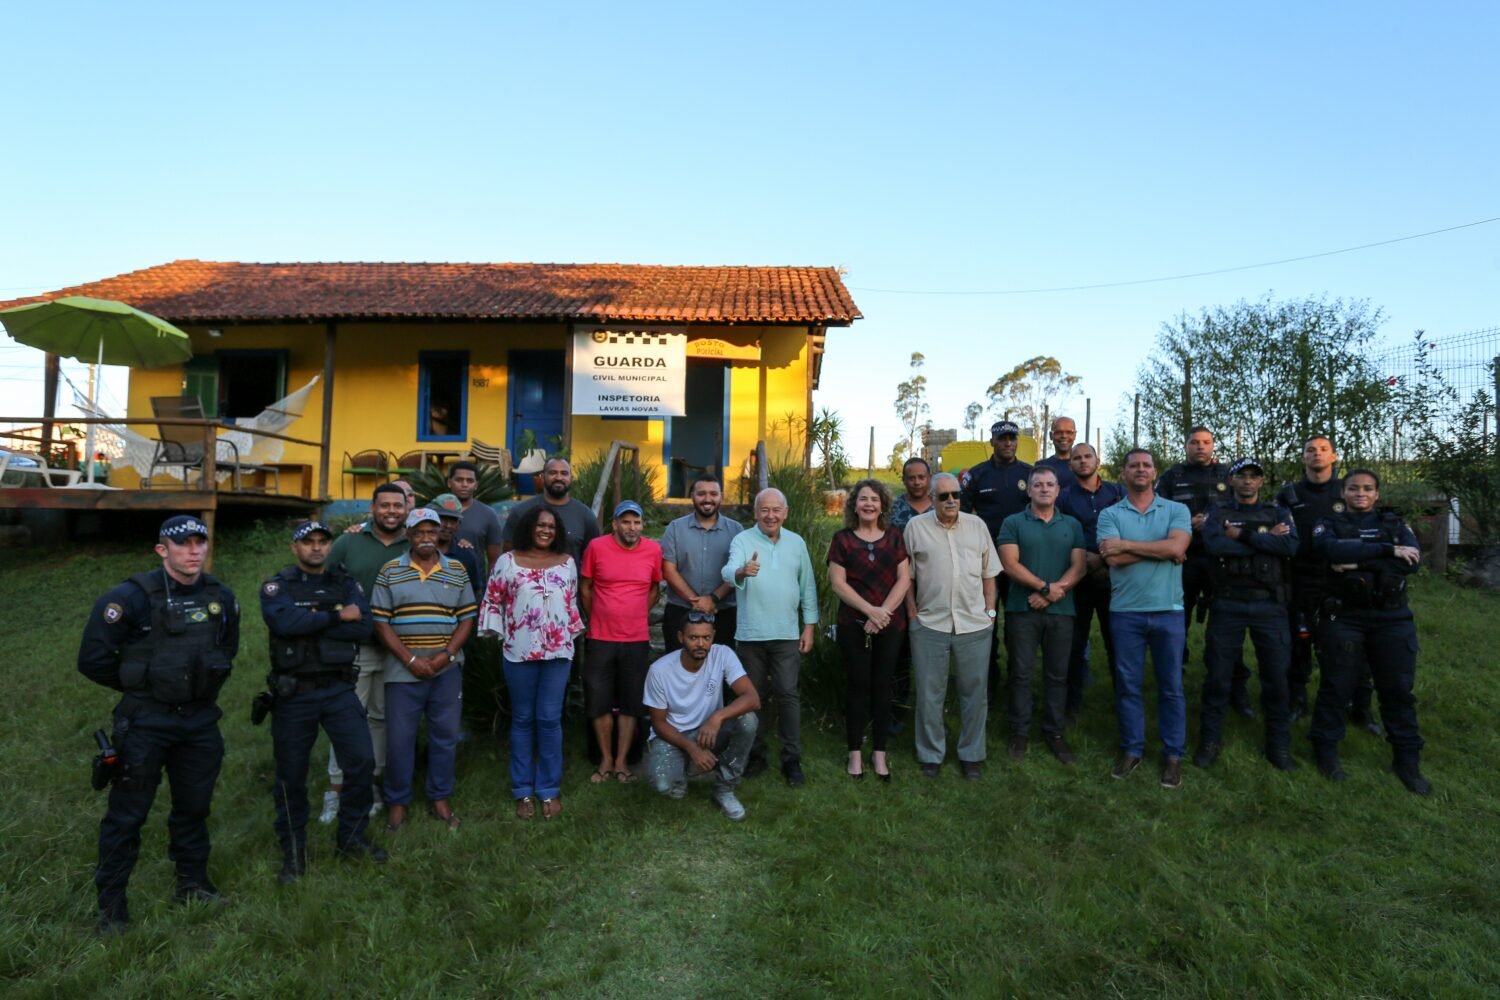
(1179, 277)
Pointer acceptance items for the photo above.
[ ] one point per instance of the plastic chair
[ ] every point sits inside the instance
(181, 445)
(373, 463)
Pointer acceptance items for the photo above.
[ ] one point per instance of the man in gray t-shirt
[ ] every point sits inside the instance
(577, 520)
(480, 525)
(692, 730)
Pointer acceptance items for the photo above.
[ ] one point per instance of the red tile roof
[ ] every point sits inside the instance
(196, 291)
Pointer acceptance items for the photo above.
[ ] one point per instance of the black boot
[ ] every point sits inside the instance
(293, 864)
(1280, 756)
(1328, 762)
(360, 849)
(1297, 702)
(194, 887)
(114, 916)
(1208, 750)
(1409, 770)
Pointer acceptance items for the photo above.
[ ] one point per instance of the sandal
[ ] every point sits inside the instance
(600, 776)
(526, 807)
(624, 776)
(551, 807)
(396, 819)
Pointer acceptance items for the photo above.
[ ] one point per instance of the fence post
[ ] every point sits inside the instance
(1187, 394)
(1135, 436)
(870, 469)
(1088, 419)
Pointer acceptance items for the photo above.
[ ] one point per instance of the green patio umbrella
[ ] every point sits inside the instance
(98, 331)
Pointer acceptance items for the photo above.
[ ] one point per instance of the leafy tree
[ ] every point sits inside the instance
(972, 413)
(898, 456)
(1269, 374)
(1030, 388)
(911, 400)
(826, 433)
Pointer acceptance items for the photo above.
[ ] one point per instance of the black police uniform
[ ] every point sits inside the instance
(1200, 488)
(312, 676)
(1310, 503)
(1092, 593)
(168, 648)
(1366, 620)
(995, 490)
(1249, 593)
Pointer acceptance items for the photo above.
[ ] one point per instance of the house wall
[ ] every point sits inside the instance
(375, 389)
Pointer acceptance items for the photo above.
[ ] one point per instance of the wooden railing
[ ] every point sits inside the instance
(612, 470)
(210, 429)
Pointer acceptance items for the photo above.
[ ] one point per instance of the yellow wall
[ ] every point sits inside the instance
(375, 389)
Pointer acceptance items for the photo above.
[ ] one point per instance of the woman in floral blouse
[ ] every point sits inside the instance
(531, 603)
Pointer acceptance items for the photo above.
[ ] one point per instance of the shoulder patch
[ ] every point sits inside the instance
(1338, 506)
(113, 613)
(1262, 529)
(1320, 529)
(1021, 485)
(271, 588)
(1221, 487)
(215, 608)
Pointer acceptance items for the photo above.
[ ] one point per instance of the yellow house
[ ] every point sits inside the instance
(431, 357)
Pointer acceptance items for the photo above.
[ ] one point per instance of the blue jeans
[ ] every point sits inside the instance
(440, 698)
(536, 688)
(1165, 634)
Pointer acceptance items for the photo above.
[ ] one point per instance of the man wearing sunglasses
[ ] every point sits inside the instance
(951, 607)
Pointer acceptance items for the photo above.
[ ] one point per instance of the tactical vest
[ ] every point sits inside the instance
(1257, 577)
(1199, 487)
(1308, 507)
(1378, 584)
(179, 662)
(313, 655)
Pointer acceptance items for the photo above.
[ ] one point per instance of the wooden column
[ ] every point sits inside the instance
(330, 334)
(49, 406)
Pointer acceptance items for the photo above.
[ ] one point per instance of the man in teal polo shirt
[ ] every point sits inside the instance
(1144, 540)
(1042, 552)
(361, 554)
(777, 595)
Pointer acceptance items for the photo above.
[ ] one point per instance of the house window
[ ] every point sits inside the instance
(442, 395)
(236, 385)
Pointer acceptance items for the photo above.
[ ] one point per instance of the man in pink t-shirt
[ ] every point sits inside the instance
(620, 582)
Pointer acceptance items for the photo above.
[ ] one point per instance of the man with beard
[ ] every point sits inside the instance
(1085, 499)
(1318, 495)
(618, 586)
(480, 525)
(1144, 539)
(578, 521)
(424, 612)
(317, 621)
(361, 555)
(694, 549)
(1064, 432)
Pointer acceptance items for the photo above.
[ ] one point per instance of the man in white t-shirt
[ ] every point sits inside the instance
(692, 730)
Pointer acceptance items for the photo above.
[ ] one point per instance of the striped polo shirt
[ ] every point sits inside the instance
(423, 608)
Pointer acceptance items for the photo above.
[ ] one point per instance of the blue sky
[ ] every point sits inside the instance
(952, 152)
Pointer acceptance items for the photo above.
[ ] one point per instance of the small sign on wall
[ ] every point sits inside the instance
(639, 373)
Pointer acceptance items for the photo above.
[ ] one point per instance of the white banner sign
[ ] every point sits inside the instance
(630, 373)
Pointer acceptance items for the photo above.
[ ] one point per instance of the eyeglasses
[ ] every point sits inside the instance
(946, 496)
(700, 617)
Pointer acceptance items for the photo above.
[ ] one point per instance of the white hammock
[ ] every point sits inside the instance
(124, 445)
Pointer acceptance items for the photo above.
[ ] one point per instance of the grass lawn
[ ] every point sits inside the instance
(1037, 881)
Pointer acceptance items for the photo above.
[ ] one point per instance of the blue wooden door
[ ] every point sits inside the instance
(536, 397)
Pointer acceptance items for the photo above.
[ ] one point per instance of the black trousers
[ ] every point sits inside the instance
(294, 730)
(1090, 598)
(189, 748)
(674, 615)
(1387, 642)
(1228, 621)
(869, 672)
(1307, 608)
(992, 677)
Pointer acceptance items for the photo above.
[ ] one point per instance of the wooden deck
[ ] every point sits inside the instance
(44, 498)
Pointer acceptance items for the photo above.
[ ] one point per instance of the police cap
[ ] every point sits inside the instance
(181, 527)
(306, 528)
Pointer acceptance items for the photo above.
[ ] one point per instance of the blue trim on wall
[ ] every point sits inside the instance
(424, 399)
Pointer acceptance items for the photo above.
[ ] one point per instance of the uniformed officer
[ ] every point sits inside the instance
(316, 620)
(1366, 620)
(995, 489)
(1317, 495)
(1200, 484)
(166, 639)
(1249, 543)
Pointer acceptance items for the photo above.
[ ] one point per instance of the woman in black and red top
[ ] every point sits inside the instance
(868, 568)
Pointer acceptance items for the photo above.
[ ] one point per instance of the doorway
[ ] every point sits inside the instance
(696, 442)
(536, 399)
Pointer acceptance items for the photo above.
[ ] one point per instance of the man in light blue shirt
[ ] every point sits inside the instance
(1144, 540)
(777, 595)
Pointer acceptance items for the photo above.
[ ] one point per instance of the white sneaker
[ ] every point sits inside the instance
(376, 803)
(731, 806)
(677, 789)
(330, 807)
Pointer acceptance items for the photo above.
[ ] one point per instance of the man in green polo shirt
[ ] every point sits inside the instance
(361, 555)
(1042, 552)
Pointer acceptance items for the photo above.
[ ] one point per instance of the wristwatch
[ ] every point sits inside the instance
(1045, 591)
(990, 612)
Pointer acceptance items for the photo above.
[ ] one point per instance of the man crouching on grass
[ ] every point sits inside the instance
(692, 730)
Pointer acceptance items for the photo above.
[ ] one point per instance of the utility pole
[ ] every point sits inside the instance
(1135, 436)
(1187, 394)
(1088, 419)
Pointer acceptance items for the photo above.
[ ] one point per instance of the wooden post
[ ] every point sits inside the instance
(49, 406)
(1043, 431)
(208, 478)
(1135, 437)
(870, 469)
(1088, 419)
(1395, 436)
(1187, 394)
(330, 333)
